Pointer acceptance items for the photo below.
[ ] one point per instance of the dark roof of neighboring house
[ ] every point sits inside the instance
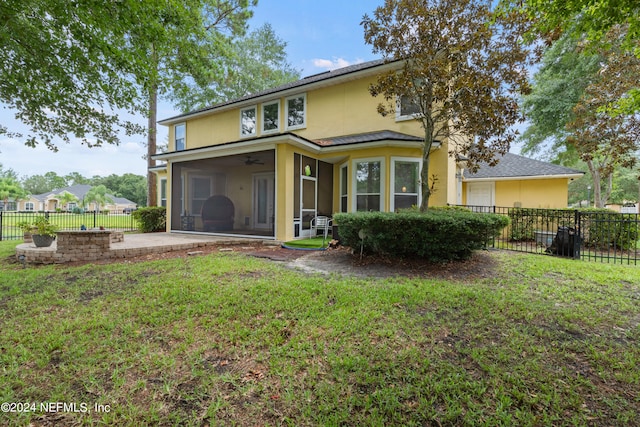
(315, 78)
(512, 166)
(79, 190)
(367, 137)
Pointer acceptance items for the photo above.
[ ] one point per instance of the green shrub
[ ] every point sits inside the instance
(524, 222)
(604, 229)
(600, 228)
(437, 235)
(151, 219)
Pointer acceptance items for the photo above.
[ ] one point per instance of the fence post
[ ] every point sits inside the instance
(577, 239)
(95, 219)
(0, 226)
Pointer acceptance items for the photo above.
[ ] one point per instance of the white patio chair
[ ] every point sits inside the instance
(321, 223)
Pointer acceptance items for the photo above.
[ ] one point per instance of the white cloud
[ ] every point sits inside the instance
(333, 64)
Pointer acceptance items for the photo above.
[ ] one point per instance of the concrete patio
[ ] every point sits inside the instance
(131, 246)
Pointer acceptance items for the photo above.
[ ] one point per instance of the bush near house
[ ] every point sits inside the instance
(151, 219)
(437, 235)
(599, 228)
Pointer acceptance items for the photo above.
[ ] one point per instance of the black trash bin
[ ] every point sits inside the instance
(566, 243)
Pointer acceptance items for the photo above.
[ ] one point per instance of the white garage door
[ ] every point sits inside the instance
(481, 193)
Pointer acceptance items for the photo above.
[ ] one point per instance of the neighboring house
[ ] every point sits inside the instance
(266, 164)
(518, 181)
(50, 202)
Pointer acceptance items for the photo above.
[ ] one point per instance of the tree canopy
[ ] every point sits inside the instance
(62, 71)
(568, 108)
(255, 62)
(464, 67)
(557, 87)
(591, 18)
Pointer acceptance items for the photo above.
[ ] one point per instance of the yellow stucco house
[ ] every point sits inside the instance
(266, 164)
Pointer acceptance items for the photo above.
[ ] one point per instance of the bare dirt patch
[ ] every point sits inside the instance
(343, 262)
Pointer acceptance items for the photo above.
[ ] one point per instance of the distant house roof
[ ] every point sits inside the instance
(80, 190)
(298, 84)
(512, 166)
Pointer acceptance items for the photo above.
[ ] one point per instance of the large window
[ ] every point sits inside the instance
(248, 121)
(271, 117)
(368, 183)
(405, 179)
(180, 136)
(296, 112)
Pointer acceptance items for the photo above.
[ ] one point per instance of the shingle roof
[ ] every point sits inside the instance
(512, 166)
(367, 137)
(291, 85)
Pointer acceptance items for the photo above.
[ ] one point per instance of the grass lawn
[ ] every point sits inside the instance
(312, 243)
(233, 340)
(67, 221)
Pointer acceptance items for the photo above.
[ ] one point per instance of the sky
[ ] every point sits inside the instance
(320, 36)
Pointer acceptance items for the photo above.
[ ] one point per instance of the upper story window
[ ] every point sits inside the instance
(248, 121)
(296, 112)
(180, 136)
(407, 109)
(271, 117)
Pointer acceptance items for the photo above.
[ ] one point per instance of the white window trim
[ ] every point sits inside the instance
(277, 129)
(175, 140)
(29, 206)
(286, 111)
(392, 185)
(255, 129)
(354, 182)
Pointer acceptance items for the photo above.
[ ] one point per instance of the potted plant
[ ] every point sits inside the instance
(27, 230)
(44, 232)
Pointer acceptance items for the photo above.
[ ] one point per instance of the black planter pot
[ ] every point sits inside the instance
(42, 240)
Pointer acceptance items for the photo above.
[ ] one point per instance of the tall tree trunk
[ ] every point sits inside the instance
(424, 174)
(152, 193)
(428, 126)
(595, 174)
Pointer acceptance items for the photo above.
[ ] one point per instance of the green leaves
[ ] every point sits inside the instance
(464, 66)
(56, 56)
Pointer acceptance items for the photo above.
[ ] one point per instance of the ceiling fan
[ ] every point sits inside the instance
(251, 161)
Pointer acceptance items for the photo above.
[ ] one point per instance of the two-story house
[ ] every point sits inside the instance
(266, 164)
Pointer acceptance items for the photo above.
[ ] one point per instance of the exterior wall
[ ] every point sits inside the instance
(529, 193)
(335, 110)
(343, 109)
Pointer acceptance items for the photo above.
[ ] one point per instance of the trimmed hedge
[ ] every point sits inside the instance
(437, 235)
(151, 219)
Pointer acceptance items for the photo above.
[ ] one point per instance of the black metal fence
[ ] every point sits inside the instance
(588, 234)
(11, 229)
